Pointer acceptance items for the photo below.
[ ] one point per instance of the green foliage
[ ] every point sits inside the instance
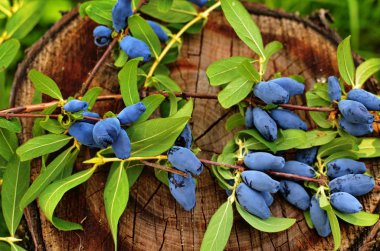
(8, 52)
(44, 84)
(128, 82)
(235, 92)
(179, 12)
(346, 62)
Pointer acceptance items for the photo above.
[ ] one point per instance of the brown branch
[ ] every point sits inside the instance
(31, 115)
(209, 162)
(296, 177)
(164, 168)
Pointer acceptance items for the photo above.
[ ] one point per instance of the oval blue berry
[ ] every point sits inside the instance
(252, 201)
(297, 168)
(122, 145)
(132, 113)
(290, 85)
(185, 160)
(75, 105)
(260, 181)
(135, 48)
(319, 218)
(345, 203)
(287, 119)
(161, 34)
(334, 91)
(183, 190)
(102, 35)
(355, 112)
(82, 132)
(355, 184)
(264, 124)
(369, 100)
(340, 167)
(89, 114)
(120, 13)
(355, 129)
(307, 155)
(267, 197)
(271, 93)
(106, 131)
(263, 161)
(249, 117)
(185, 139)
(295, 194)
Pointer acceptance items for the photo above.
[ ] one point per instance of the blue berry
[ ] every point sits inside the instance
(307, 155)
(287, 119)
(185, 138)
(82, 132)
(200, 3)
(345, 203)
(185, 160)
(252, 201)
(369, 100)
(120, 13)
(319, 218)
(89, 114)
(292, 86)
(122, 146)
(340, 167)
(102, 35)
(161, 34)
(106, 131)
(183, 190)
(249, 117)
(260, 181)
(267, 197)
(295, 194)
(263, 161)
(75, 105)
(334, 89)
(298, 168)
(271, 93)
(355, 112)
(132, 113)
(135, 48)
(264, 124)
(355, 184)
(355, 129)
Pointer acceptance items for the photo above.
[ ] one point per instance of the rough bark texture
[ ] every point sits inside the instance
(153, 221)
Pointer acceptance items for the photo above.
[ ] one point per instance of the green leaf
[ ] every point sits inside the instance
(8, 144)
(91, 95)
(53, 194)
(128, 82)
(320, 118)
(244, 26)
(12, 125)
(15, 184)
(164, 5)
(368, 148)
(317, 138)
(42, 145)
(219, 228)
(235, 92)
(335, 229)
(99, 11)
(270, 225)
(116, 195)
(255, 134)
(8, 51)
(345, 61)
(308, 220)
(52, 125)
(290, 138)
(343, 154)
(337, 145)
(45, 84)
(69, 165)
(53, 170)
(179, 12)
(269, 50)
(247, 70)
(362, 219)
(163, 82)
(134, 170)
(173, 104)
(234, 121)
(152, 102)
(225, 70)
(365, 70)
(141, 29)
(162, 176)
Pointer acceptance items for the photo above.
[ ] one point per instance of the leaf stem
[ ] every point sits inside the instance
(7, 12)
(101, 160)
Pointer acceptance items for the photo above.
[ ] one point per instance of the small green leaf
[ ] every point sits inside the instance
(255, 134)
(99, 11)
(164, 5)
(53, 194)
(162, 176)
(269, 50)
(337, 145)
(247, 70)
(52, 125)
(162, 82)
(365, 70)
(234, 121)
(8, 51)
(335, 229)
(134, 170)
(343, 154)
(290, 138)
(173, 104)
(42, 145)
(12, 125)
(308, 220)
(45, 84)
(91, 95)
(69, 165)
(346, 62)
(270, 225)
(152, 102)
(179, 12)
(219, 228)
(318, 138)
(368, 148)
(128, 82)
(362, 219)
(8, 144)
(235, 92)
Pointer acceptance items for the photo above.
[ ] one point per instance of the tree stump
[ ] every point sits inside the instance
(153, 220)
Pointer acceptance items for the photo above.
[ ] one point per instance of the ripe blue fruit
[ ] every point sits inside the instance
(161, 34)
(271, 93)
(267, 197)
(200, 3)
(185, 160)
(89, 114)
(185, 138)
(183, 190)
(75, 105)
(319, 218)
(355, 129)
(264, 124)
(334, 89)
(249, 117)
(122, 145)
(82, 132)
(263, 161)
(260, 181)
(307, 155)
(120, 13)
(102, 35)
(135, 48)
(132, 113)
(292, 86)
(355, 112)
(252, 201)
(345, 203)
(298, 168)
(355, 184)
(340, 167)
(295, 194)
(287, 119)
(106, 131)
(369, 100)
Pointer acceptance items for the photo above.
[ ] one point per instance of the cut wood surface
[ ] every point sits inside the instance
(153, 220)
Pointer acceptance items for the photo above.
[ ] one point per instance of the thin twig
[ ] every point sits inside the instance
(31, 115)
(164, 168)
(209, 162)
(296, 177)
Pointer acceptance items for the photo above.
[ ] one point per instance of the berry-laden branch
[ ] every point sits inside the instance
(29, 115)
(164, 168)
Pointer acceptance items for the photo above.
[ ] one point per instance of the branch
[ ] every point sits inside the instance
(31, 115)
(164, 168)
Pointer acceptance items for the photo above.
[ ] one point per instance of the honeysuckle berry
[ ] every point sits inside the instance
(264, 124)
(106, 131)
(267, 197)
(249, 117)
(260, 181)
(355, 112)
(120, 13)
(319, 218)
(200, 3)
(286, 119)
(185, 160)
(102, 35)
(185, 138)
(295, 194)
(290, 85)
(252, 201)
(345, 203)
(340, 167)
(307, 155)
(135, 48)
(183, 190)
(82, 132)
(369, 100)
(334, 91)
(263, 161)
(271, 93)
(122, 145)
(297, 168)
(75, 105)
(89, 114)
(161, 34)
(354, 184)
(132, 113)
(355, 129)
